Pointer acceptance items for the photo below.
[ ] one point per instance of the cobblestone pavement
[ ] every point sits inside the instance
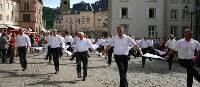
(40, 74)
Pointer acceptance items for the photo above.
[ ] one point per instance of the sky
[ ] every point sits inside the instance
(56, 3)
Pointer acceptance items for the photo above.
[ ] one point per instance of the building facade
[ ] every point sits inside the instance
(197, 25)
(9, 12)
(101, 21)
(71, 22)
(139, 17)
(87, 21)
(58, 22)
(178, 16)
(30, 12)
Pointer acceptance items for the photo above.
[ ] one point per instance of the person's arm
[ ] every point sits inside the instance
(198, 49)
(135, 46)
(28, 41)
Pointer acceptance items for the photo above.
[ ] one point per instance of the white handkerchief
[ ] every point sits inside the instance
(68, 52)
(160, 52)
(152, 56)
(38, 48)
(95, 46)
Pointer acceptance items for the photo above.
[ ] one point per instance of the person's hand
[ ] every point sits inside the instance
(103, 53)
(141, 53)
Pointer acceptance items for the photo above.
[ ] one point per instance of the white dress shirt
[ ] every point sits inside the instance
(186, 50)
(121, 45)
(23, 40)
(83, 45)
(171, 44)
(144, 43)
(107, 41)
(151, 43)
(76, 39)
(49, 37)
(56, 41)
(100, 41)
(68, 39)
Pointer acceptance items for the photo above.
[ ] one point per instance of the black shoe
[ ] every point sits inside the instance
(79, 76)
(83, 79)
(56, 72)
(24, 69)
(142, 66)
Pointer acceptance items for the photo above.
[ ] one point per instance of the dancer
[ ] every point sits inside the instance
(121, 43)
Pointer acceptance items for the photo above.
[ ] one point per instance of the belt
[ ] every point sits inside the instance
(83, 52)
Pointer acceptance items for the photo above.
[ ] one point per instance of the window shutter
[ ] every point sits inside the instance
(147, 13)
(157, 13)
(129, 13)
(119, 12)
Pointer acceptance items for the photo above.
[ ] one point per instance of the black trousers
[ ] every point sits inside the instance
(191, 72)
(22, 56)
(10, 53)
(4, 55)
(110, 51)
(122, 63)
(144, 51)
(49, 54)
(170, 60)
(82, 57)
(55, 54)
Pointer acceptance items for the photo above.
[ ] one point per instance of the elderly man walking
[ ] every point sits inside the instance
(121, 44)
(22, 42)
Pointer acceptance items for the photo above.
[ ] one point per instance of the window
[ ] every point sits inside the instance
(124, 13)
(26, 5)
(174, 14)
(83, 19)
(123, 0)
(174, 1)
(83, 25)
(1, 7)
(8, 5)
(99, 24)
(151, 0)
(0, 17)
(152, 12)
(88, 25)
(186, 1)
(7, 18)
(26, 17)
(152, 30)
(173, 30)
(88, 19)
(126, 28)
(66, 20)
(185, 15)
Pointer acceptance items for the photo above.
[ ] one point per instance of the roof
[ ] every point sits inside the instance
(101, 5)
(82, 6)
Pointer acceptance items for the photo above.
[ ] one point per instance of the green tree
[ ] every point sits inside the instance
(48, 15)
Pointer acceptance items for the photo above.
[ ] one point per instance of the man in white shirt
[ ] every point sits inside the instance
(55, 44)
(170, 46)
(69, 41)
(81, 47)
(49, 53)
(186, 50)
(107, 40)
(144, 44)
(121, 44)
(22, 43)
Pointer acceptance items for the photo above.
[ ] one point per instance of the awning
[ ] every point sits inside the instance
(13, 27)
(3, 27)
